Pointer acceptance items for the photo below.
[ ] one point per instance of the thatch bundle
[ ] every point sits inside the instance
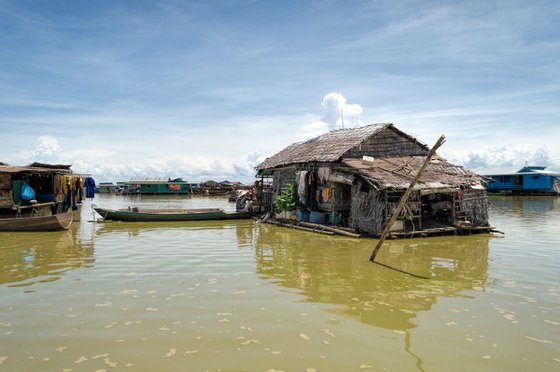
(367, 210)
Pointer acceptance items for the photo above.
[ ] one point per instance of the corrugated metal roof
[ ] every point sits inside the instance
(155, 180)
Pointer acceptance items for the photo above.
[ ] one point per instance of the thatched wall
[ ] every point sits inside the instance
(387, 143)
(474, 203)
(367, 212)
(283, 177)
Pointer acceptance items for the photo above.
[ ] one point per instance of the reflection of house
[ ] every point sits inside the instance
(159, 186)
(356, 177)
(528, 180)
(370, 293)
(32, 260)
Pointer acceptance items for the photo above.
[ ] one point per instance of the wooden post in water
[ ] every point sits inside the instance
(405, 197)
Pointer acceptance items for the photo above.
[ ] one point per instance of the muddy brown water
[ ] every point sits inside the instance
(240, 295)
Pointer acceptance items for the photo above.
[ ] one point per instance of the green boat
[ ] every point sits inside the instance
(142, 215)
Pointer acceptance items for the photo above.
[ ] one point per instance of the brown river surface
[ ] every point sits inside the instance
(245, 296)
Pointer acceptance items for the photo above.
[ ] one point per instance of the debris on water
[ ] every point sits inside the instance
(170, 353)
(538, 340)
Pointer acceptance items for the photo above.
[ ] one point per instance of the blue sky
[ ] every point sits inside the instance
(205, 89)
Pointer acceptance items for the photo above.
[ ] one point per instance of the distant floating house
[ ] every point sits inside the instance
(355, 178)
(529, 180)
(159, 186)
(106, 188)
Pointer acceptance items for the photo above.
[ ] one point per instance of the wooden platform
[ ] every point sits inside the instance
(434, 227)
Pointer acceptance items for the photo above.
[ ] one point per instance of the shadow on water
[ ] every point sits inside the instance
(336, 271)
(27, 258)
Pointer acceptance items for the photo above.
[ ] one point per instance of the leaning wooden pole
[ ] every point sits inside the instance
(405, 197)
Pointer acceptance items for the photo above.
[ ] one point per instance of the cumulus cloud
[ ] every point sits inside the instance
(509, 158)
(47, 150)
(246, 165)
(338, 114)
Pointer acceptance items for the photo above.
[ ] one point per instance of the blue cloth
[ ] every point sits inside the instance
(89, 184)
(27, 192)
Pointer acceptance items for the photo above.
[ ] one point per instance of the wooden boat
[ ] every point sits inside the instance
(139, 215)
(60, 221)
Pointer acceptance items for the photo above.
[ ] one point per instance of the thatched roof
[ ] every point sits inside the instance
(330, 147)
(398, 172)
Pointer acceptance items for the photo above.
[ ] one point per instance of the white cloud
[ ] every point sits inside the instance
(338, 114)
(507, 158)
(245, 166)
(47, 150)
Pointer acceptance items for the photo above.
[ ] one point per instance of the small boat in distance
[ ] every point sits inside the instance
(60, 221)
(140, 215)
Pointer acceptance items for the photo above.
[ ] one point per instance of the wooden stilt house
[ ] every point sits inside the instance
(355, 178)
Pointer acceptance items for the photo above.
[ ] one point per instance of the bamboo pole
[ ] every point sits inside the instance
(405, 197)
(297, 227)
(335, 230)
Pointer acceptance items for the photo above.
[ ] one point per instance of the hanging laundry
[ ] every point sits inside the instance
(323, 174)
(302, 187)
(89, 184)
(327, 194)
(311, 193)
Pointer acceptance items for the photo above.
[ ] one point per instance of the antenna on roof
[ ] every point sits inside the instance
(342, 117)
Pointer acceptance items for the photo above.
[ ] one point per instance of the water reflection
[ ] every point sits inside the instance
(28, 258)
(337, 271)
(523, 205)
(244, 228)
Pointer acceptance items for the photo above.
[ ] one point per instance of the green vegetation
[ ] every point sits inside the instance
(287, 200)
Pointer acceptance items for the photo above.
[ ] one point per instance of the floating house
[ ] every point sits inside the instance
(106, 188)
(355, 178)
(56, 189)
(159, 186)
(529, 180)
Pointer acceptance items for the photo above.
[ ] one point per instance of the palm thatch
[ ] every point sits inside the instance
(397, 172)
(373, 140)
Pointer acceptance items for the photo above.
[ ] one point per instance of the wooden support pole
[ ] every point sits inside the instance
(405, 197)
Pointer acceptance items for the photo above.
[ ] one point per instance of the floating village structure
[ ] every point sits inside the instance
(354, 178)
(529, 180)
(159, 186)
(106, 188)
(30, 194)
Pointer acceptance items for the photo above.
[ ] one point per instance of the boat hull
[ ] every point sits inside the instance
(132, 216)
(61, 221)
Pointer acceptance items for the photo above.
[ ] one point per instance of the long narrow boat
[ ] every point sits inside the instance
(60, 221)
(139, 215)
